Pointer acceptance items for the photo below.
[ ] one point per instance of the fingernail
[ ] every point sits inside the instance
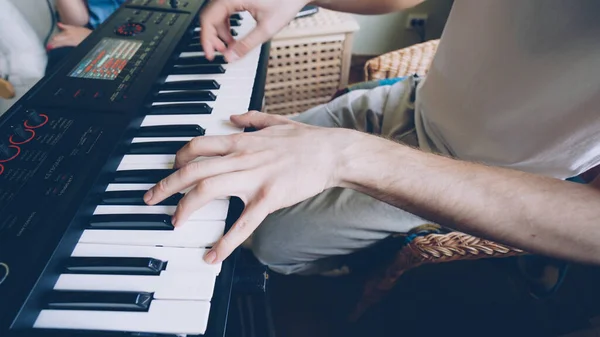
(210, 257)
(148, 196)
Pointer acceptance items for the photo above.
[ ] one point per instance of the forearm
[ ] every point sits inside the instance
(534, 213)
(367, 7)
(72, 12)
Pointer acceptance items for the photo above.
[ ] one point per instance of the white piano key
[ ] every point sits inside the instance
(213, 125)
(220, 107)
(191, 286)
(128, 187)
(146, 162)
(193, 234)
(214, 210)
(174, 317)
(161, 139)
(178, 259)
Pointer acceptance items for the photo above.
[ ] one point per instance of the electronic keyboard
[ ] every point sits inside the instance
(80, 252)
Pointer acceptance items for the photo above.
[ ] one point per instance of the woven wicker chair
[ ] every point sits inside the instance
(428, 244)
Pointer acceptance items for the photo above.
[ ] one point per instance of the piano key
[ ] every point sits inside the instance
(181, 109)
(191, 85)
(214, 127)
(128, 187)
(161, 139)
(131, 221)
(185, 96)
(197, 69)
(183, 285)
(135, 198)
(235, 16)
(143, 176)
(195, 45)
(114, 265)
(200, 59)
(177, 259)
(184, 130)
(144, 169)
(234, 23)
(88, 300)
(214, 210)
(192, 234)
(156, 147)
(163, 316)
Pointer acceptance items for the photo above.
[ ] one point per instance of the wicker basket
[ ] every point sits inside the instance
(309, 60)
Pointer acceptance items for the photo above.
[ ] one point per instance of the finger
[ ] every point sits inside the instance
(211, 17)
(253, 215)
(189, 175)
(63, 26)
(240, 48)
(224, 185)
(205, 146)
(224, 32)
(259, 120)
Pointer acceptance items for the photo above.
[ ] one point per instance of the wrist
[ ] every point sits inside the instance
(361, 158)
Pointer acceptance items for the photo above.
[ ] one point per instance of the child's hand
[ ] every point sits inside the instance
(70, 36)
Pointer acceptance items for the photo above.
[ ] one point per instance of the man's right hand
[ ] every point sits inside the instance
(271, 16)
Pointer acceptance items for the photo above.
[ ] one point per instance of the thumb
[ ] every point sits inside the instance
(252, 216)
(258, 120)
(238, 49)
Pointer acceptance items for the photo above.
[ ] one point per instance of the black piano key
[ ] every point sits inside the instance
(235, 16)
(194, 46)
(99, 300)
(181, 109)
(185, 96)
(108, 265)
(234, 23)
(218, 59)
(159, 222)
(234, 32)
(156, 147)
(184, 130)
(135, 198)
(141, 176)
(191, 85)
(186, 69)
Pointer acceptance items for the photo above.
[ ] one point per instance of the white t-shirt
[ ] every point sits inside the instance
(516, 83)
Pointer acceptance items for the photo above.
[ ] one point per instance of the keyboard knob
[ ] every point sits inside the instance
(34, 118)
(173, 3)
(20, 134)
(5, 151)
(8, 152)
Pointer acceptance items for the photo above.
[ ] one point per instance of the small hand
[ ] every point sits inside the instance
(283, 164)
(270, 15)
(70, 36)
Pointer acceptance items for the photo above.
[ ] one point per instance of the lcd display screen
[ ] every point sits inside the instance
(107, 59)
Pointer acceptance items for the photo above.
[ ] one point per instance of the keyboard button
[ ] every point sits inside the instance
(135, 198)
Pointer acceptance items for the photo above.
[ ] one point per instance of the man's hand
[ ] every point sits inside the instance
(70, 36)
(270, 15)
(284, 163)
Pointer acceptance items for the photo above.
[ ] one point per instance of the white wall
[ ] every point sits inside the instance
(379, 34)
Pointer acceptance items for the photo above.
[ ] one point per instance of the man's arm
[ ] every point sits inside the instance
(532, 212)
(271, 17)
(73, 12)
(367, 7)
(287, 162)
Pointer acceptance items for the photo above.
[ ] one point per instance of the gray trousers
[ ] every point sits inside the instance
(313, 236)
